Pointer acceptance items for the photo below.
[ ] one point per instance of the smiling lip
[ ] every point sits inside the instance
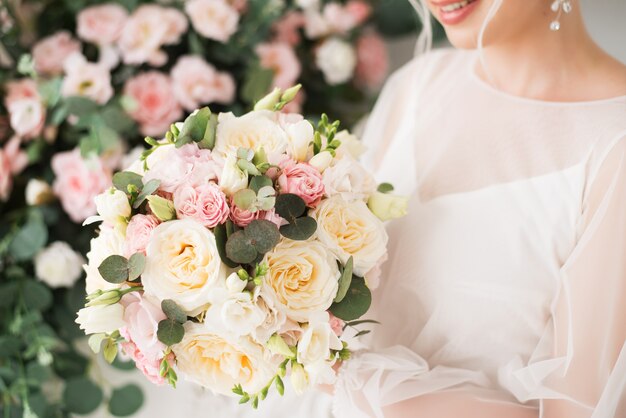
(453, 17)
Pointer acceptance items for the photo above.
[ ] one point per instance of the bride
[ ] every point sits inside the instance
(505, 291)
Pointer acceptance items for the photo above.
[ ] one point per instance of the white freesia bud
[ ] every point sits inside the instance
(101, 318)
(113, 206)
(387, 206)
(291, 93)
(38, 192)
(321, 161)
(234, 284)
(232, 179)
(268, 102)
(277, 345)
(299, 378)
(58, 265)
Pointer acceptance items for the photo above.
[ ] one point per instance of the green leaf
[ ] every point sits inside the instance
(69, 364)
(208, 141)
(345, 280)
(95, 342)
(173, 311)
(82, 396)
(125, 400)
(195, 126)
(244, 199)
(263, 234)
(8, 293)
(362, 321)
(221, 237)
(36, 373)
(300, 229)
(258, 81)
(356, 302)
(148, 189)
(385, 187)
(123, 179)
(365, 331)
(290, 206)
(239, 248)
(110, 350)
(36, 295)
(123, 365)
(280, 386)
(161, 208)
(136, 265)
(117, 119)
(80, 106)
(114, 269)
(259, 182)
(30, 238)
(170, 332)
(9, 345)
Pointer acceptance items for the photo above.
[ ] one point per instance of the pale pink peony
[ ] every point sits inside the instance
(372, 60)
(78, 182)
(242, 217)
(12, 162)
(147, 30)
(213, 19)
(138, 233)
(282, 60)
(156, 106)
(206, 204)
(26, 109)
(197, 82)
(303, 180)
(336, 324)
(50, 53)
(101, 24)
(86, 79)
(287, 28)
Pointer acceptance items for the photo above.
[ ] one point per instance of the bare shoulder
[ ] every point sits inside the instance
(610, 76)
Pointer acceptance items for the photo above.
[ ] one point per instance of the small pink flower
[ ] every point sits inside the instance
(280, 58)
(197, 82)
(138, 233)
(206, 204)
(303, 180)
(242, 217)
(26, 109)
(50, 53)
(78, 182)
(372, 60)
(287, 28)
(156, 106)
(273, 217)
(101, 24)
(336, 324)
(86, 79)
(213, 19)
(12, 162)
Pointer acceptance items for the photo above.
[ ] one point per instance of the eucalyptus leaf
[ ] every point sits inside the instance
(80, 106)
(30, 238)
(221, 237)
(114, 269)
(82, 396)
(126, 400)
(239, 248)
(123, 179)
(244, 199)
(173, 311)
(148, 189)
(290, 206)
(170, 332)
(356, 302)
(258, 182)
(37, 296)
(195, 126)
(258, 81)
(345, 280)
(210, 133)
(385, 187)
(136, 265)
(300, 229)
(264, 235)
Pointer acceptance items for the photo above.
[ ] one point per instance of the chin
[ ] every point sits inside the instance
(462, 39)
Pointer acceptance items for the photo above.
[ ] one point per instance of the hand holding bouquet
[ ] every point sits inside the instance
(233, 251)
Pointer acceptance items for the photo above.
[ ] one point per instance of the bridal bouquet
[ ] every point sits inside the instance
(236, 250)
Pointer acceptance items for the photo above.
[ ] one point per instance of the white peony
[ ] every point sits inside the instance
(237, 314)
(251, 131)
(58, 265)
(347, 178)
(109, 242)
(113, 206)
(337, 60)
(101, 318)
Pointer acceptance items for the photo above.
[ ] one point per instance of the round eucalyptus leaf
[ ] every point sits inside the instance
(356, 302)
(173, 311)
(221, 237)
(239, 248)
(36, 295)
(300, 229)
(125, 400)
(81, 395)
(290, 206)
(136, 265)
(263, 234)
(114, 269)
(170, 332)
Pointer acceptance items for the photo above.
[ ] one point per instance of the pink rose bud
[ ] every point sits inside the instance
(205, 203)
(303, 180)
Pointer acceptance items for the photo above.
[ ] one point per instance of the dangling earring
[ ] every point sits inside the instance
(558, 7)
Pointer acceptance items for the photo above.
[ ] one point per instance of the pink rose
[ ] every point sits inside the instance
(86, 79)
(372, 60)
(303, 180)
(102, 24)
(287, 28)
(242, 217)
(206, 204)
(156, 105)
(12, 162)
(138, 233)
(197, 82)
(336, 324)
(280, 58)
(213, 19)
(26, 110)
(50, 53)
(147, 30)
(78, 182)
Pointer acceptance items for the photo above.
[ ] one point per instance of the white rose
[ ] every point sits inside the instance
(302, 278)
(251, 131)
(351, 229)
(182, 264)
(337, 60)
(218, 363)
(38, 192)
(58, 265)
(113, 206)
(101, 318)
(26, 115)
(232, 179)
(347, 178)
(109, 242)
(237, 314)
(87, 79)
(350, 145)
(299, 378)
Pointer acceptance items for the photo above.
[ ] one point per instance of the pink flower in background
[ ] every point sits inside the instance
(206, 204)
(372, 60)
(102, 24)
(239, 5)
(86, 79)
(155, 106)
(303, 180)
(242, 217)
(197, 82)
(280, 58)
(359, 10)
(336, 324)
(78, 182)
(26, 111)
(12, 162)
(213, 19)
(343, 19)
(287, 28)
(138, 233)
(50, 53)
(147, 30)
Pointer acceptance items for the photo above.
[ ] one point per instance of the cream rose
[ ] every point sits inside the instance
(218, 363)
(251, 131)
(351, 229)
(302, 278)
(182, 264)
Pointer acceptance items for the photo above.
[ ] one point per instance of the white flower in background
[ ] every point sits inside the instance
(38, 192)
(349, 179)
(109, 242)
(182, 264)
(232, 179)
(351, 229)
(26, 115)
(58, 265)
(113, 206)
(101, 318)
(273, 322)
(87, 79)
(213, 19)
(337, 60)
(251, 131)
(308, 4)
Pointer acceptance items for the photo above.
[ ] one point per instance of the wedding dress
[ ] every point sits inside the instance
(505, 288)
